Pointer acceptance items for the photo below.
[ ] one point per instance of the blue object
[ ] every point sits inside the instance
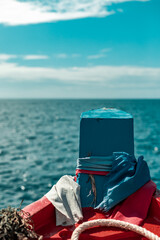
(107, 143)
(92, 163)
(104, 131)
(86, 193)
(126, 177)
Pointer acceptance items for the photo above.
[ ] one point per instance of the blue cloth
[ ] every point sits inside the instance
(126, 177)
(95, 163)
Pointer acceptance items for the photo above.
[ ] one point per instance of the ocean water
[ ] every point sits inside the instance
(39, 142)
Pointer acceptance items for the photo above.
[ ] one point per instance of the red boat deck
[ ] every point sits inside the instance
(43, 216)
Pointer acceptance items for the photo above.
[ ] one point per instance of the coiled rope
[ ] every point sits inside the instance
(113, 223)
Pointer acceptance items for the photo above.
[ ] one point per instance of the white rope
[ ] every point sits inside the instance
(113, 223)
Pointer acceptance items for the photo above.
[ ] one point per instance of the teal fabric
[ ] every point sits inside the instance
(95, 163)
(126, 177)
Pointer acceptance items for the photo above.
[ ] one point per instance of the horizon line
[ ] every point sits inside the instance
(79, 98)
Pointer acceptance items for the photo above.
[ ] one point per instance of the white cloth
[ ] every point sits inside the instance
(65, 196)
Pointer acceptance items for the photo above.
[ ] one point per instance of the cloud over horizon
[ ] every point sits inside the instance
(6, 57)
(35, 57)
(15, 12)
(12, 72)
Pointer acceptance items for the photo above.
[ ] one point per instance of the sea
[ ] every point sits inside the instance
(39, 142)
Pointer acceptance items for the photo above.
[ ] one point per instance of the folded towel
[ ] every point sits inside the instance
(65, 196)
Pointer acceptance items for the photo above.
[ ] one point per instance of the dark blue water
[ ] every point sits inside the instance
(39, 142)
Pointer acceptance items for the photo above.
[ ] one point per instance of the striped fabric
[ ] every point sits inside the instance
(93, 163)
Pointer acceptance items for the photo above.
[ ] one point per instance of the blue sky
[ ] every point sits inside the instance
(80, 49)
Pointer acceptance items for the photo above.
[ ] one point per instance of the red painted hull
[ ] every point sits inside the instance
(43, 215)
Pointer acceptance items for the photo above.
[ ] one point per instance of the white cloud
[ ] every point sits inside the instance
(64, 55)
(101, 54)
(105, 50)
(5, 57)
(61, 55)
(120, 10)
(35, 57)
(77, 75)
(16, 12)
(96, 56)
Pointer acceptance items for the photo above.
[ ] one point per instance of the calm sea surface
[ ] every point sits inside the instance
(39, 141)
